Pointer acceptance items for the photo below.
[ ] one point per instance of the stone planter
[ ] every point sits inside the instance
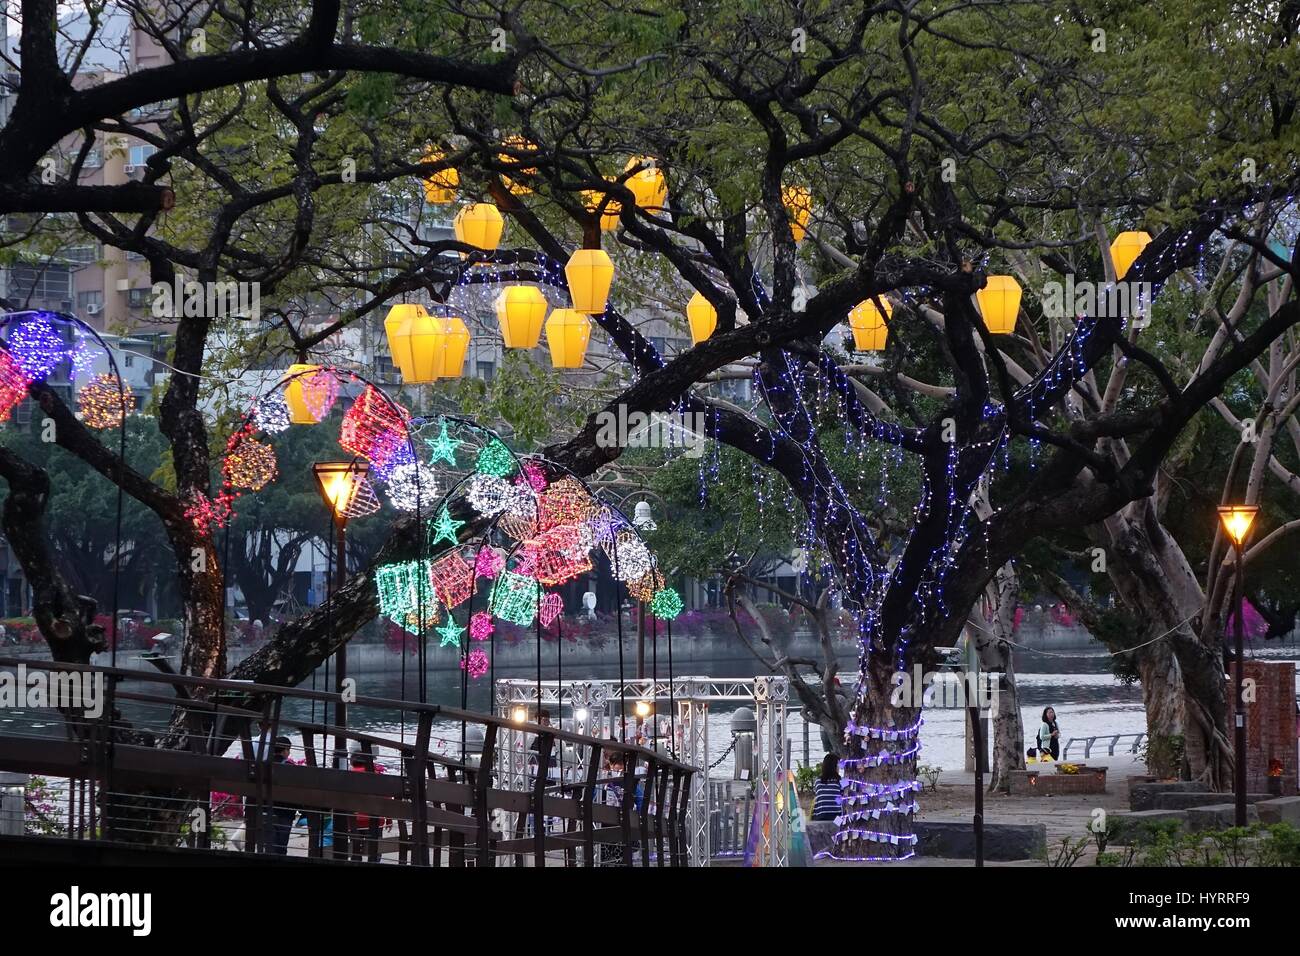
(1032, 783)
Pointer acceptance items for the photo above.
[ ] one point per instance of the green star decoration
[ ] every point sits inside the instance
(451, 632)
(443, 447)
(445, 527)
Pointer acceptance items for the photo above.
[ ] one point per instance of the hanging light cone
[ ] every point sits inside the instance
(868, 325)
(520, 311)
(590, 273)
(798, 205)
(450, 343)
(517, 144)
(414, 346)
(567, 334)
(393, 324)
(440, 188)
(1125, 249)
(702, 318)
(999, 303)
(479, 225)
(592, 198)
(648, 186)
(299, 410)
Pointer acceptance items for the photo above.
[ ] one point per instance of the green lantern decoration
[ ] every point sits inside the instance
(515, 598)
(666, 604)
(404, 589)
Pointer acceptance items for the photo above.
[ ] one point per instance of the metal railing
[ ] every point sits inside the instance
(187, 764)
(1090, 742)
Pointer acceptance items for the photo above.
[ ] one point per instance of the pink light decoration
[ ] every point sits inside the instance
(452, 578)
(319, 392)
(373, 427)
(556, 556)
(481, 626)
(13, 383)
(489, 562)
(535, 475)
(207, 513)
(552, 607)
(475, 663)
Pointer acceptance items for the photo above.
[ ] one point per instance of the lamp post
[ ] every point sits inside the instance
(1237, 521)
(339, 483)
(643, 520)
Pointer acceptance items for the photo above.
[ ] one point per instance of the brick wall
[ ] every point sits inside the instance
(1031, 783)
(1270, 724)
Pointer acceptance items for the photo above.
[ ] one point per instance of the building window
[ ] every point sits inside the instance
(128, 359)
(138, 298)
(486, 371)
(140, 154)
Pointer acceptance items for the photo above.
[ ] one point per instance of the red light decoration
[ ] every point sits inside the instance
(453, 579)
(208, 513)
(13, 383)
(373, 427)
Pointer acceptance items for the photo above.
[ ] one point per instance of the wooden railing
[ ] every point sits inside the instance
(149, 777)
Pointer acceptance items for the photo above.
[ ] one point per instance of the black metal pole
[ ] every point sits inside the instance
(640, 639)
(977, 739)
(1239, 707)
(341, 655)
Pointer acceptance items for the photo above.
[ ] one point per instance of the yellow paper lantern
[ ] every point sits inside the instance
(702, 318)
(590, 273)
(868, 324)
(393, 323)
(999, 303)
(520, 310)
(450, 343)
(479, 225)
(299, 413)
(517, 144)
(648, 186)
(1125, 250)
(440, 188)
(414, 344)
(567, 334)
(592, 198)
(798, 205)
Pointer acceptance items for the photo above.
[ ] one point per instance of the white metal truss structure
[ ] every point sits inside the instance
(600, 707)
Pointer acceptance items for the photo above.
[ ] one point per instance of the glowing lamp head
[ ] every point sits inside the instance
(1237, 521)
(340, 482)
(519, 715)
(581, 715)
(643, 708)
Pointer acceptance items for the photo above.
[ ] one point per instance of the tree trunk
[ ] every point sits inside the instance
(993, 645)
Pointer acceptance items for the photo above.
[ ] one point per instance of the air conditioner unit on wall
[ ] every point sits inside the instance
(95, 308)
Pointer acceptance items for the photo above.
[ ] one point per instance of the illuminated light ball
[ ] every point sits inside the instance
(396, 453)
(104, 400)
(667, 604)
(489, 495)
(495, 459)
(13, 384)
(481, 626)
(38, 347)
(489, 562)
(535, 475)
(629, 557)
(645, 588)
(250, 464)
(475, 663)
(413, 487)
(271, 414)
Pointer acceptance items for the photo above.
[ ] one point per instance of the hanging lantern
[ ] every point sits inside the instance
(1125, 250)
(868, 324)
(295, 379)
(999, 303)
(609, 216)
(13, 384)
(520, 311)
(798, 206)
(412, 334)
(702, 318)
(648, 186)
(590, 273)
(567, 332)
(479, 225)
(440, 188)
(517, 144)
(450, 343)
(104, 400)
(250, 464)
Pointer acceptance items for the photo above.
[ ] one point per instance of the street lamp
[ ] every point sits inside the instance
(340, 483)
(642, 517)
(1237, 521)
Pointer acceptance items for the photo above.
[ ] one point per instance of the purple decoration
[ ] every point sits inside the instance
(38, 347)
